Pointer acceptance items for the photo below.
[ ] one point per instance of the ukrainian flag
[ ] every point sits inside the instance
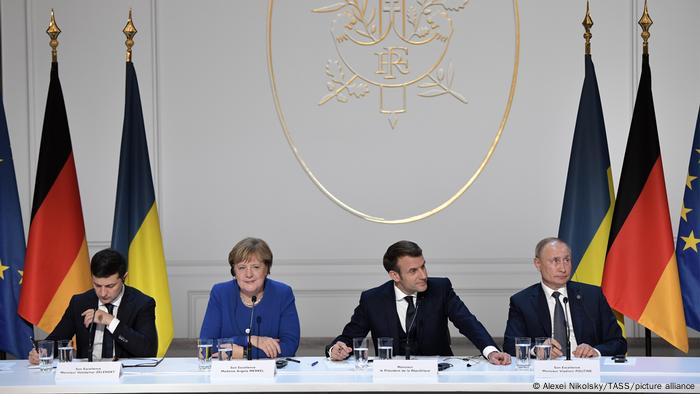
(589, 197)
(136, 231)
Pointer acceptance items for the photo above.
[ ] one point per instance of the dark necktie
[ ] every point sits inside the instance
(410, 313)
(107, 339)
(559, 322)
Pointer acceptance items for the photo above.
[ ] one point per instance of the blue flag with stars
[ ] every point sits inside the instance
(687, 244)
(14, 331)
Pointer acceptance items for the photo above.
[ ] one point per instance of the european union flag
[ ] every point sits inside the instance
(687, 243)
(14, 331)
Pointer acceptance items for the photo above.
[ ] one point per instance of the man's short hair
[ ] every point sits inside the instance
(106, 263)
(247, 248)
(546, 241)
(398, 250)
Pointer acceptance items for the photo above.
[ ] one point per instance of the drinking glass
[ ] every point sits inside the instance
(65, 351)
(522, 352)
(385, 348)
(45, 350)
(543, 348)
(361, 352)
(204, 353)
(225, 347)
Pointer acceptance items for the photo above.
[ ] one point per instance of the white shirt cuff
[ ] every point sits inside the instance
(113, 325)
(488, 350)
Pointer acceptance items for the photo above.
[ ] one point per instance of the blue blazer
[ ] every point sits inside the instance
(377, 314)
(275, 316)
(593, 321)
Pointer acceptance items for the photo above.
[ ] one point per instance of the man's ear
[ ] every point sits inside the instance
(395, 276)
(124, 277)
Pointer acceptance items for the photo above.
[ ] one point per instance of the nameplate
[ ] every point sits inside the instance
(242, 369)
(404, 369)
(580, 369)
(101, 371)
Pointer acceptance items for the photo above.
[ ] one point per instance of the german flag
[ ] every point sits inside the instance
(57, 265)
(640, 278)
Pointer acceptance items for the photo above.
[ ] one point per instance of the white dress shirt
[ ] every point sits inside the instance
(100, 328)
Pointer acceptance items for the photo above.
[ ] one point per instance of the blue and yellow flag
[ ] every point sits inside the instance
(687, 243)
(15, 333)
(136, 231)
(589, 197)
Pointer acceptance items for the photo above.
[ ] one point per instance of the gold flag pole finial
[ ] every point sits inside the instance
(645, 22)
(129, 31)
(53, 31)
(587, 24)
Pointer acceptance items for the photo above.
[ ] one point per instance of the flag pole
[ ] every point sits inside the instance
(53, 31)
(645, 22)
(129, 31)
(587, 24)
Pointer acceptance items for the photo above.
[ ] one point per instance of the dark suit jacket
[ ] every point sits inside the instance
(377, 314)
(593, 321)
(135, 335)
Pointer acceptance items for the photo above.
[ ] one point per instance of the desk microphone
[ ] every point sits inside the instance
(91, 335)
(249, 330)
(568, 333)
(408, 331)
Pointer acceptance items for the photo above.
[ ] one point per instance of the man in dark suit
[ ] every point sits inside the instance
(592, 326)
(413, 310)
(112, 320)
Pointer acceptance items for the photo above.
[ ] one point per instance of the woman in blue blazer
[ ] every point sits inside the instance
(252, 300)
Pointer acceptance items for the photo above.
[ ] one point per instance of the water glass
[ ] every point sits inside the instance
(543, 348)
(65, 351)
(385, 348)
(361, 352)
(204, 353)
(225, 348)
(522, 352)
(45, 350)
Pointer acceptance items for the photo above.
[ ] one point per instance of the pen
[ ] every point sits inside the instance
(314, 363)
(33, 343)
(292, 360)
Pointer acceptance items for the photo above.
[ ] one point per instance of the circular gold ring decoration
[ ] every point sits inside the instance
(444, 204)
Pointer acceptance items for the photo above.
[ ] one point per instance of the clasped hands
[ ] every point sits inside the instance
(583, 350)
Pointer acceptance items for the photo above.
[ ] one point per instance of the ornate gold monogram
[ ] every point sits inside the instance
(391, 47)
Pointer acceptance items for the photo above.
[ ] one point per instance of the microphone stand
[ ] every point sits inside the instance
(91, 336)
(249, 331)
(568, 333)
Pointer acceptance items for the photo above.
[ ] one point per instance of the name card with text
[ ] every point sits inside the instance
(404, 369)
(580, 369)
(242, 369)
(100, 371)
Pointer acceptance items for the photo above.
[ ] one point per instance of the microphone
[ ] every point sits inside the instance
(568, 333)
(408, 331)
(249, 330)
(91, 335)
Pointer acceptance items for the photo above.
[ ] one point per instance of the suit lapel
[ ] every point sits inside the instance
(392, 322)
(539, 304)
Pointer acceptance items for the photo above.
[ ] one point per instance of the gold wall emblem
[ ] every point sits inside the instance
(409, 43)
(390, 49)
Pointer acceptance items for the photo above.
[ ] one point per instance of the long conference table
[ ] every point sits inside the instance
(315, 374)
